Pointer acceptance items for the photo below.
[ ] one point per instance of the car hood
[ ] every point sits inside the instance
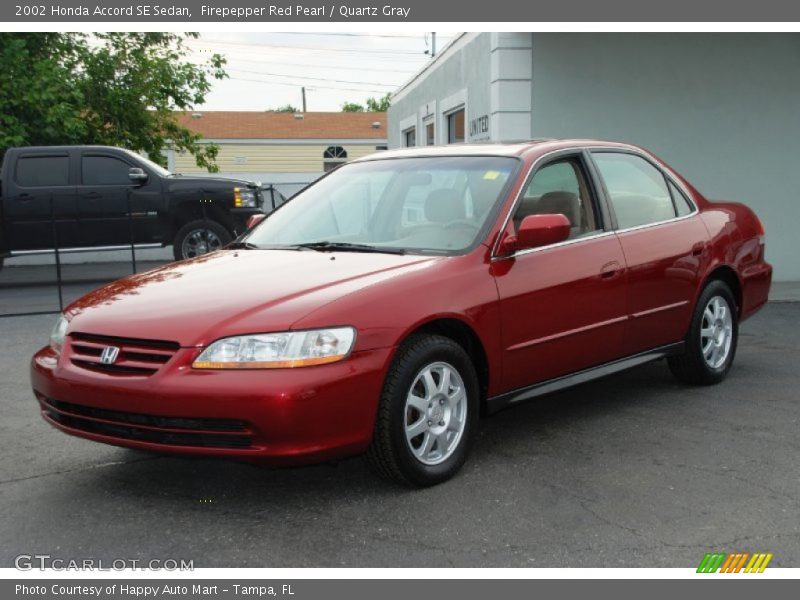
(230, 292)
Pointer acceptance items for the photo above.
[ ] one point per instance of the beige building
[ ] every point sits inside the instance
(285, 149)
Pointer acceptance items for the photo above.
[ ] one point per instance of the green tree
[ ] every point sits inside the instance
(119, 89)
(372, 105)
(352, 107)
(380, 104)
(286, 108)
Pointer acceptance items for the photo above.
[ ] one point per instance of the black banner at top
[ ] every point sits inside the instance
(473, 11)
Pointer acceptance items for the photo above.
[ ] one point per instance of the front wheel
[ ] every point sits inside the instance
(199, 237)
(428, 413)
(712, 338)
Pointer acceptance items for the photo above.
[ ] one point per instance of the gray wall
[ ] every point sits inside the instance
(722, 109)
(467, 69)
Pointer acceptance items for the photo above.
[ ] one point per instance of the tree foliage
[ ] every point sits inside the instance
(118, 89)
(372, 105)
(286, 108)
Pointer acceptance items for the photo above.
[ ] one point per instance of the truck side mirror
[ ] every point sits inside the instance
(137, 176)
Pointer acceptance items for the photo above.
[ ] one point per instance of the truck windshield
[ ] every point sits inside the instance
(424, 205)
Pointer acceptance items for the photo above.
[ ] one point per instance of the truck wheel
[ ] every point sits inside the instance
(428, 413)
(199, 237)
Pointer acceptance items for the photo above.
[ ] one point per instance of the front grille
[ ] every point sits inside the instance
(173, 431)
(136, 356)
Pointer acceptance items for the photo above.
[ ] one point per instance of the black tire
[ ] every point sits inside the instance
(692, 367)
(390, 454)
(211, 233)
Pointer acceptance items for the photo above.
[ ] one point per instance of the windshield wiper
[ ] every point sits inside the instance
(349, 247)
(242, 246)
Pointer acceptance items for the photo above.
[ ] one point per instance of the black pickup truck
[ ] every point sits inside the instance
(99, 196)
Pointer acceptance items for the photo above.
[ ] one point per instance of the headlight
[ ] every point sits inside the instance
(244, 198)
(59, 333)
(278, 350)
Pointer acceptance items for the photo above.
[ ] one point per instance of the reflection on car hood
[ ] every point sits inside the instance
(229, 292)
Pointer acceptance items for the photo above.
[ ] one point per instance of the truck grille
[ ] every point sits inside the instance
(136, 357)
(172, 431)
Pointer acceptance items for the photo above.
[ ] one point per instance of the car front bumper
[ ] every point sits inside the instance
(279, 416)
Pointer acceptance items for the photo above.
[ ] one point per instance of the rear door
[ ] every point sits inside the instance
(40, 208)
(563, 306)
(664, 243)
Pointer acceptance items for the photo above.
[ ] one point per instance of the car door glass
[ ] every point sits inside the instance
(682, 204)
(104, 170)
(559, 188)
(41, 171)
(637, 190)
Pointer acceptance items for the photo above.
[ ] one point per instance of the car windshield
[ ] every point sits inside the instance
(422, 205)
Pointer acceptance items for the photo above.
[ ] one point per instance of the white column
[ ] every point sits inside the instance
(511, 68)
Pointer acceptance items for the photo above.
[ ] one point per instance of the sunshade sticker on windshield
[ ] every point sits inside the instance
(491, 175)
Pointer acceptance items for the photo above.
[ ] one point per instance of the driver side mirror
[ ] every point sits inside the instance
(255, 220)
(536, 231)
(137, 176)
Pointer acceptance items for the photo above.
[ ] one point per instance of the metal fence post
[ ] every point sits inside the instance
(57, 254)
(130, 229)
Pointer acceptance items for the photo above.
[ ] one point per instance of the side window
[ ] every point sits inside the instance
(636, 189)
(104, 170)
(682, 204)
(40, 171)
(560, 188)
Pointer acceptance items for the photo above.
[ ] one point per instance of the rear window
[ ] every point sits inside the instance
(41, 171)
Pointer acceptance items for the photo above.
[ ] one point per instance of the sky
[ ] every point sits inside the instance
(267, 70)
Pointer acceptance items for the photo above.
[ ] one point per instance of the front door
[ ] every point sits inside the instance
(563, 307)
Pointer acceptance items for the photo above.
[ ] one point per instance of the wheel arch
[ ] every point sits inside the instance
(730, 277)
(463, 334)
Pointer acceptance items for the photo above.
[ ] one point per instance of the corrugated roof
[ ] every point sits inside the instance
(274, 125)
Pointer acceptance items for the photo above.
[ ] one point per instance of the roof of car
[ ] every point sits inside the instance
(538, 146)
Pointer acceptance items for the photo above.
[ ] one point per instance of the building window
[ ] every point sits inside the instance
(410, 137)
(333, 157)
(430, 134)
(455, 127)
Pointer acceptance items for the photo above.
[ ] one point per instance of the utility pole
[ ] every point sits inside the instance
(432, 51)
(303, 89)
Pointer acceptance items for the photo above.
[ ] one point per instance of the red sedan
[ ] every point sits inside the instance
(387, 306)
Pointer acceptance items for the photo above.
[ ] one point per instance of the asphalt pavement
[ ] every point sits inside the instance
(635, 470)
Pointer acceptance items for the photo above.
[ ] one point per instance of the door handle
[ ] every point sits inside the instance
(609, 270)
(698, 248)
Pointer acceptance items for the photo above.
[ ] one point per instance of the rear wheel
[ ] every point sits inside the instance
(428, 413)
(199, 237)
(712, 338)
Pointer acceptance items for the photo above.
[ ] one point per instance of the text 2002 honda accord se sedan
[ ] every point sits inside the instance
(389, 304)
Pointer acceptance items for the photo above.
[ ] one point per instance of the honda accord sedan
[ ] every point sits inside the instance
(388, 306)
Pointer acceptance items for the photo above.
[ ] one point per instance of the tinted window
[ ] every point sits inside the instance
(38, 171)
(637, 190)
(559, 188)
(104, 170)
(682, 204)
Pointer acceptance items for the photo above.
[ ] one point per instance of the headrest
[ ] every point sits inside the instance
(565, 203)
(444, 205)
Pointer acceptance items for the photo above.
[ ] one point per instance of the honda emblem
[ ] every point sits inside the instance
(109, 355)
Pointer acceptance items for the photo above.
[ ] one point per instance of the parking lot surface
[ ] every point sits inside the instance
(635, 470)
